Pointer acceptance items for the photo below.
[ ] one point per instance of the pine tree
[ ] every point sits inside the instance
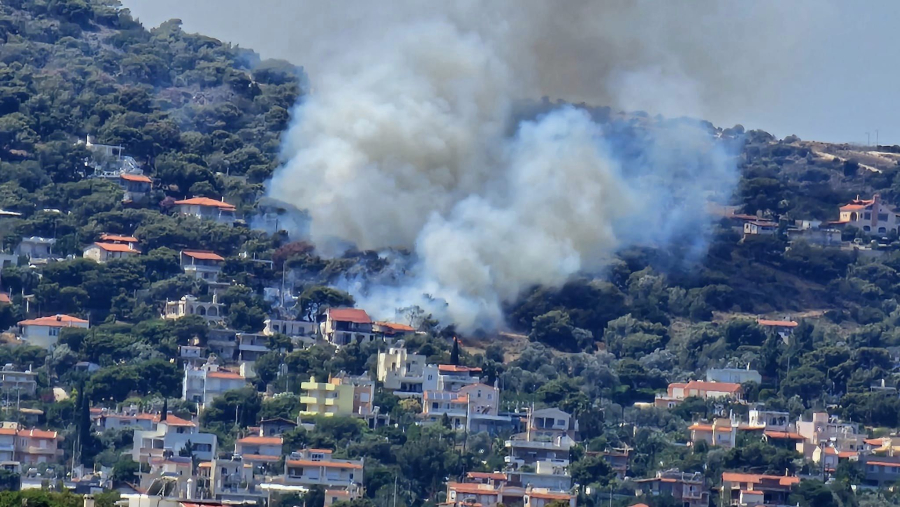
(454, 353)
(165, 410)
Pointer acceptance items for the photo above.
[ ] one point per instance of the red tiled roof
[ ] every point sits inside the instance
(116, 238)
(702, 385)
(479, 489)
(203, 256)
(204, 201)
(37, 433)
(397, 328)
(135, 177)
(783, 434)
(830, 450)
(54, 321)
(878, 442)
(4, 298)
(322, 451)
(173, 420)
(548, 495)
(883, 463)
(7, 431)
(116, 247)
(260, 457)
(222, 374)
(496, 476)
(708, 427)
(847, 454)
(756, 479)
(776, 323)
(354, 315)
(254, 439)
(452, 368)
(326, 464)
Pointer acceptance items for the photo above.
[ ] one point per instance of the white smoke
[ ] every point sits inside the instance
(405, 143)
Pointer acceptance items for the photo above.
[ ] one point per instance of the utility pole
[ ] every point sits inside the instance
(876, 138)
(868, 141)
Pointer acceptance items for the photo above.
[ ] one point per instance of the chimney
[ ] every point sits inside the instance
(58, 318)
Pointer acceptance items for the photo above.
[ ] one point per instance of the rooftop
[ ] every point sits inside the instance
(202, 255)
(205, 201)
(115, 247)
(54, 321)
(354, 315)
(752, 479)
(776, 323)
(140, 178)
(115, 238)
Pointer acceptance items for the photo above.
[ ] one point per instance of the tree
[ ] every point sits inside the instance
(10, 481)
(315, 299)
(125, 470)
(165, 410)
(454, 352)
(592, 470)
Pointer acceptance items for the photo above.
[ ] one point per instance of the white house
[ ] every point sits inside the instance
(23, 382)
(870, 215)
(102, 252)
(258, 449)
(735, 375)
(448, 377)
(170, 435)
(316, 467)
(203, 384)
(212, 311)
(290, 328)
(401, 372)
(345, 325)
(36, 248)
(44, 331)
(207, 209)
(202, 265)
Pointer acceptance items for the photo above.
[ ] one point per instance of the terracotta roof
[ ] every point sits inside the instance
(7, 431)
(326, 464)
(756, 479)
(709, 427)
(323, 451)
(452, 368)
(254, 439)
(4, 298)
(222, 374)
(847, 454)
(640, 505)
(204, 201)
(116, 247)
(205, 464)
(173, 420)
(883, 463)
(54, 321)
(37, 433)
(260, 457)
(830, 450)
(116, 238)
(474, 489)
(702, 385)
(349, 315)
(549, 495)
(397, 328)
(496, 476)
(203, 256)
(135, 177)
(783, 434)
(878, 442)
(776, 323)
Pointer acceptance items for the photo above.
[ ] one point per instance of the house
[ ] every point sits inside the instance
(677, 392)
(760, 228)
(549, 434)
(36, 248)
(168, 436)
(119, 240)
(548, 423)
(202, 265)
(203, 384)
(870, 215)
(116, 421)
(342, 396)
(733, 375)
(178, 467)
(826, 457)
(345, 325)
(222, 342)
(786, 439)
(462, 494)
(102, 251)
(438, 404)
(618, 460)
(292, 328)
(212, 311)
(828, 430)
(275, 427)
(44, 331)
(259, 450)
(317, 467)
(391, 330)
(770, 420)
(251, 345)
(449, 377)
(749, 490)
(37, 446)
(191, 353)
(230, 480)
(207, 209)
(783, 328)
(136, 186)
(722, 432)
(21, 382)
(880, 470)
(686, 487)
(401, 372)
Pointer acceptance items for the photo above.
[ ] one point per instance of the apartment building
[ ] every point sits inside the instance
(688, 488)
(35, 446)
(448, 377)
(679, 391)
(831, 431)
(471, 403)
(259, 450)
(205, 383)
(722, 432)
(22, 382)
(750, 490)
(343, 395)
(168, 436)
(401, 372)
(462, 494)
(292, 328)
(317, 467)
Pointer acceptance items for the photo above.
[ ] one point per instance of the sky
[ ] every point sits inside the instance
(823, 70)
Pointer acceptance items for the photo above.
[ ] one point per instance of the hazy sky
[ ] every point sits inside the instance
(821, 69)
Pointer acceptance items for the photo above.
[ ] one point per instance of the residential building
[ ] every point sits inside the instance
(618, 460)
(401, 372)
(207, 209)
(116, 421)
(826, 457)
(549, 423)
(44, 331)
(317, 467)
(448, 377)
(102, 251)
(36, 248)
(176, 467)
(22, 382)
(168, 436)
(8, 444)
(770, 420)
(750, 490)
(391, 330)
(829, 430)
(37, 446)
(342, 395)
(760, 228)
(259, 450)
(194, 354)
(343, 326)
(548, 436)
(275, 427)
(462, 494)
(120, 240)
(212, 311)
(292, 328)
(678, 391)
(688, 488)
(203, 384)
(733, 375)
(880, 470)
(136, 186)
(251, 345)
(202, 265)
(783, 328)
(230, 480)
(870, 215)
(722, 432)
(437, 404)
(222, 342)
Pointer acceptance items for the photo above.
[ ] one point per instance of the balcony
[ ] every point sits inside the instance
(33, 449)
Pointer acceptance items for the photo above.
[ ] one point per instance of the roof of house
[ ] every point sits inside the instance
(883, 463)
(204, 201)
(878, 442)
(260, 457)
(756, 478)
(4, 298)
(453, 368)
(278, 420)
(173, 420)
(8, 431)
(115, 237)
(222, 374)
(349, 315)
(323, 451)
(33, 433)
(203, 256)
(783, 434)
(847, 454)
(255, 439)
(140, 178)
(703, 385)
(479, 489)
(397, 328)
(53, 321)
(497, 476)
(550, 495)
(857, 204)
(116, 247)
(709, 427)
(831, 450)
(326, 464)
(776, 323)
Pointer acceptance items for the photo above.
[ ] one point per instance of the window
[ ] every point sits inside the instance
(867, 215)
(54, 331)
(867, 228)
(882, 217)
(434, 405)
(316, 456)
(882, 230)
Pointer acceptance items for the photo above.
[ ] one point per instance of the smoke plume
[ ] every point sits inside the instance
(405, 142)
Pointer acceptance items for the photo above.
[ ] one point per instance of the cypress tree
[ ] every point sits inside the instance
(454, 353)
